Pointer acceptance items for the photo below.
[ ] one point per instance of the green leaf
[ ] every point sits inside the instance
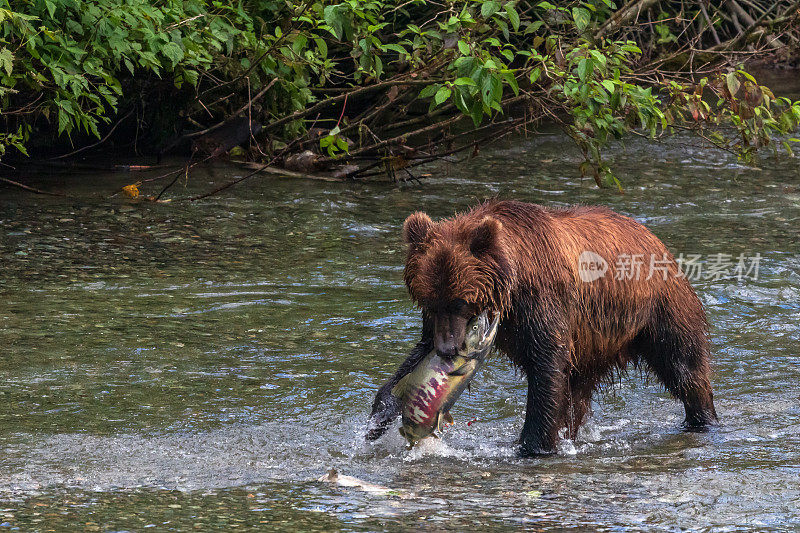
(733, 83)
(322, 46)
(513, 16)
(747, 75)
(396, 48)
(582, 17)
(442, 95)
(476, 113)
(429, 90)
(503, 28)
(463, 48)
(508, 75)
(608, 85)
(533, 26)
(463, 100)
(465, 81)
(585, 68)
(491, 89)
(6, 60)
(631, 48)
(535, 73)
(63, 121)
(490, 8)
(599, 58)
(173, 52)
(333, 18)
(191, 76)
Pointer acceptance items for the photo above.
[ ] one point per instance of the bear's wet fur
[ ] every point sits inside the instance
(567, 335)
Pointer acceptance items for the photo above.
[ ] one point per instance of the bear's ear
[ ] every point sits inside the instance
(416, 228)
(485, 236)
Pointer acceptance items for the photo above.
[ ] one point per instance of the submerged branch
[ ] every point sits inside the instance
(32, 189)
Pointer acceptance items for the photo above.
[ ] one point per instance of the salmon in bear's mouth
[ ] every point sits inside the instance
(431, 389)
(424, 401)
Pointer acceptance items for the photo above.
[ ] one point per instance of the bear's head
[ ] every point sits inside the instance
(456, 269)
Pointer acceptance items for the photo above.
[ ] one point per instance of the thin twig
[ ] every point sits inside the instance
(186, 174)
(98, 143)
(334, 99)
(240, 111)
(230, 183)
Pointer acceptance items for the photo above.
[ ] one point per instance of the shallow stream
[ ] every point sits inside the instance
(199, 365)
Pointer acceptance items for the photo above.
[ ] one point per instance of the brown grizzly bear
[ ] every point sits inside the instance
(567, 327)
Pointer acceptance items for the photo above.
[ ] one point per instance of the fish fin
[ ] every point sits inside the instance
(464, 369)
(441, 421)
(448, 418)
(401, 387)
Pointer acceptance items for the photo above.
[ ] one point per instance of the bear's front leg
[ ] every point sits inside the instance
(544, 412)
(544, 354)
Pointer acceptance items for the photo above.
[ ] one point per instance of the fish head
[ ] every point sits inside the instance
(463, 331)
(480, 334)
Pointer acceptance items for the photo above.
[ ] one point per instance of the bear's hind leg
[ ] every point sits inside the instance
(678, 355)
(580, 399)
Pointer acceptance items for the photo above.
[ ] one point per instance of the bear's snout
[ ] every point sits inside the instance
(449, 334)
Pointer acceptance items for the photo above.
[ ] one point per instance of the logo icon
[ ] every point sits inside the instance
(591, 266)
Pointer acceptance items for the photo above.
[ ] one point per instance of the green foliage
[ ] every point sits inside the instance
(15, 140)
(68, 60)
(746, 116)
(75, 63)
(71, 54)
(333, 143)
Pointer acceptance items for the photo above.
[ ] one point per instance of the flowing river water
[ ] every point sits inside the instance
(199, 366)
